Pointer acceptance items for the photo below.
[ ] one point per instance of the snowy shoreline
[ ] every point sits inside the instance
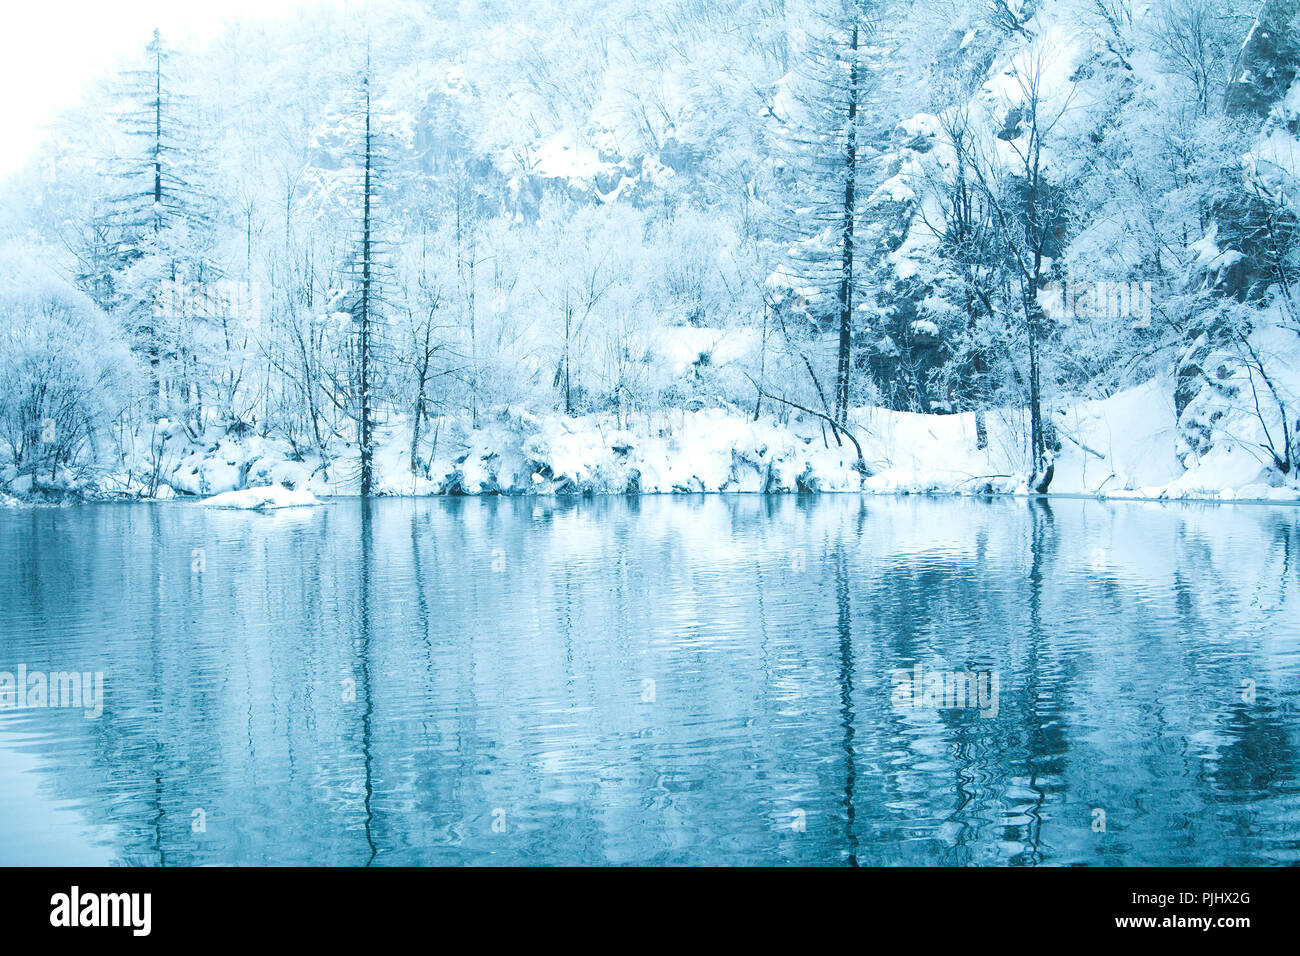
(1125, 447)
(71, 500)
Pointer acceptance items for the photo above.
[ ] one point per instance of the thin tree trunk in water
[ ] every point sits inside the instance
(845, 365)
(844, 627)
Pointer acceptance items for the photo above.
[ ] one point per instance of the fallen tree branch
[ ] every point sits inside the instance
(1090, 451)
(836, 428)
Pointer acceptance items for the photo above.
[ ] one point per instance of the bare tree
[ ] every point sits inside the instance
(1029, 209)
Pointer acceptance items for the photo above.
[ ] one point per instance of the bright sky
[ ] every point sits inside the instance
(51, 49)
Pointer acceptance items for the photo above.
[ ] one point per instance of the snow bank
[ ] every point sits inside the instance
(265, 498)
(1123, 446)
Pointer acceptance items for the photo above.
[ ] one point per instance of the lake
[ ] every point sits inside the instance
(657, 680)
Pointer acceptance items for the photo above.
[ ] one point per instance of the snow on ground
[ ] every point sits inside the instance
(265, 498)
(1125, 446)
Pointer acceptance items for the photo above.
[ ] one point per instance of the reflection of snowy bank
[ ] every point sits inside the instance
(1125, 446)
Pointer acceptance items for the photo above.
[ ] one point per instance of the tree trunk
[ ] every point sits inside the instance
(416, 419)
(844, 368)
(1042, 465)
(366, 429)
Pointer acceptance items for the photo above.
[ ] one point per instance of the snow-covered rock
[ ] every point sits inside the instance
(265, 498)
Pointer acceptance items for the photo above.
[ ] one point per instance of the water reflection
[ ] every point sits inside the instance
(659, 680)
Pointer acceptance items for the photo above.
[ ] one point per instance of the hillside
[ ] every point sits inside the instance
(999, 245)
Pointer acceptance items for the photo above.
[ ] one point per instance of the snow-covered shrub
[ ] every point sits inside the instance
(65, 373)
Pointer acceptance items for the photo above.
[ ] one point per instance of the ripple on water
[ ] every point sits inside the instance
(663, 680)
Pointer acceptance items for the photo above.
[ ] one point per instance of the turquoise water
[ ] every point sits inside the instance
(658, 680)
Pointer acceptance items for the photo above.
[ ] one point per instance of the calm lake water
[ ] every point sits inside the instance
(663, 680)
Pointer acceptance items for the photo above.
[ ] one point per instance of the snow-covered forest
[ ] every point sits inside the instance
(690, 245)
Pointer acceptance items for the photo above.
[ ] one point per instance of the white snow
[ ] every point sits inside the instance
(1124, 446)
(265, 498)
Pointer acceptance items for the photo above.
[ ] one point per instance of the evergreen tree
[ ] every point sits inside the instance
(151, 248)
(830, 131)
